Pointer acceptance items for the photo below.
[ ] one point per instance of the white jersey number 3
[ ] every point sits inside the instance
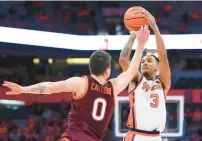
(103, 107)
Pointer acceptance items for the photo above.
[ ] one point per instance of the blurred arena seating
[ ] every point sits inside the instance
(92, 18)
(46, 121)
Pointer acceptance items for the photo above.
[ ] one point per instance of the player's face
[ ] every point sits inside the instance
(148, 65)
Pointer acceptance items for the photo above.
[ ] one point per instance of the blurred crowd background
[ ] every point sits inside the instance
(95, 18)
(27, 65)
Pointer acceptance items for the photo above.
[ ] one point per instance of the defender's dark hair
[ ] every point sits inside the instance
(99, 62)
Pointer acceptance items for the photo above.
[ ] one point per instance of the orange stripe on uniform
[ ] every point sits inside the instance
(132, 121)
(132, 115)
(85, 91)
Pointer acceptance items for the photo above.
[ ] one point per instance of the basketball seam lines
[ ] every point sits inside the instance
(130, 11)
(135, 18)
(131, 26)
(134, 9)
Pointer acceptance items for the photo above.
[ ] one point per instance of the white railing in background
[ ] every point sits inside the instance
(78, 42)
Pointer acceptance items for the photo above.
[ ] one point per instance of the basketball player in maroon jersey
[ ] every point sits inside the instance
(93, 95)
(150, 64)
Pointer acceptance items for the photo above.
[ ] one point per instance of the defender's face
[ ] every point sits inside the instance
(148, 65)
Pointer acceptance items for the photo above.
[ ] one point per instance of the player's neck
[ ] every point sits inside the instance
(149, 77)
(100, 79)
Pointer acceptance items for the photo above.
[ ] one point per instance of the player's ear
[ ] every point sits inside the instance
(157, 68)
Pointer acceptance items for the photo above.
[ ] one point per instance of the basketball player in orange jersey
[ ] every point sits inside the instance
(147, 93)
(94, 95)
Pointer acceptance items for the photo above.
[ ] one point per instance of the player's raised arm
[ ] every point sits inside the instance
(165, 74)
(121, 82)
(124, 58)
(69, 85)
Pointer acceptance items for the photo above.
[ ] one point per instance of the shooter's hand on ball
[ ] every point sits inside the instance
(151, 20)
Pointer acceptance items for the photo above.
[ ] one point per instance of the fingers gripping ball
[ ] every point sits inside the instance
(134, 18)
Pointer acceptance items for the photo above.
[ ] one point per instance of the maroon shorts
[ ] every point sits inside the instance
(76, 136)
(79, 133)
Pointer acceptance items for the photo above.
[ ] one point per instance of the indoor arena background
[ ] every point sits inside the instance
(28, 57)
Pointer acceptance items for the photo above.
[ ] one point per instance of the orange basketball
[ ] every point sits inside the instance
(134, 18)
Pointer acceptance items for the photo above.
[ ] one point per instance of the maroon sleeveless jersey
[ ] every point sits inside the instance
(93, 112)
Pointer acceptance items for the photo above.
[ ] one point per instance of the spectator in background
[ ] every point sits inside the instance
(116, 70)
(47, 114)
(197, 116)
(185, 18)
(195, 15)
(12, 13)
(188, 115)
(111, 28)
(167, 8)
(22, 138)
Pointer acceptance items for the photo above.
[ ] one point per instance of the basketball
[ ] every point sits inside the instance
(134, 18)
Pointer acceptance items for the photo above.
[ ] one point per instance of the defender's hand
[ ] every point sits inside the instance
(15, 88)
(143, 35)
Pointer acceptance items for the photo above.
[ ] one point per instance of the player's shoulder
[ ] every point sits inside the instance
(81, 86)
(138, 80)
(80, 80)
(165, 89)
(113, 81)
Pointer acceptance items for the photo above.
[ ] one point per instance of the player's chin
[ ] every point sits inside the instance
(145, 72)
